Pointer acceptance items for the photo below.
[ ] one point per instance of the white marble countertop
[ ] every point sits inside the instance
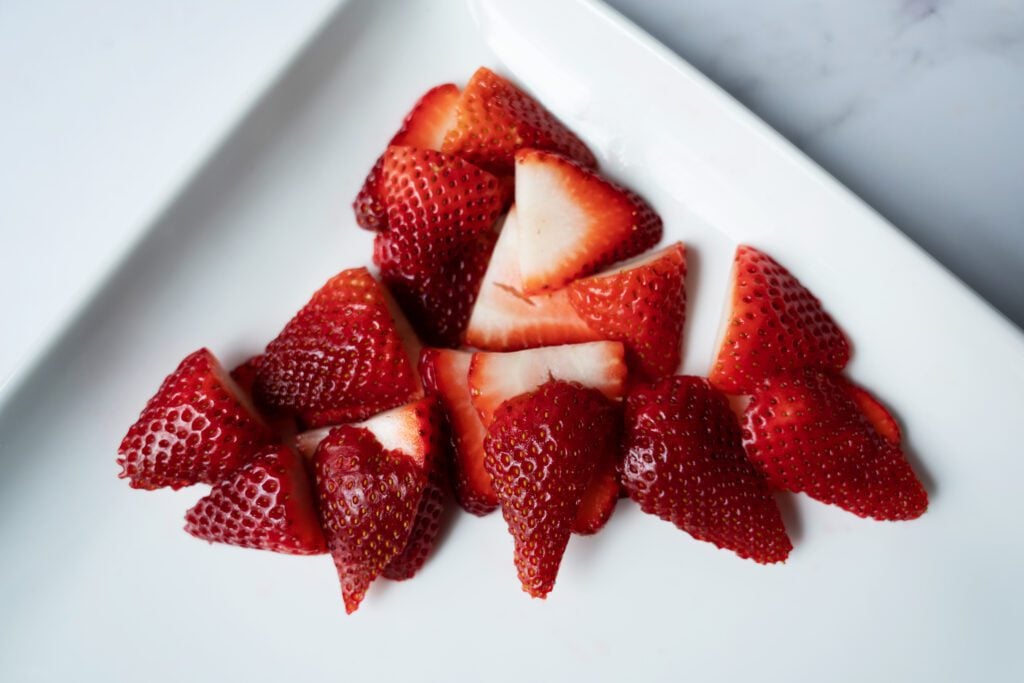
(916, 105)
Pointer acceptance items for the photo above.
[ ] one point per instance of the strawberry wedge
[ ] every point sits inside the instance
(424, 127)
(505, 319)
(573, 222)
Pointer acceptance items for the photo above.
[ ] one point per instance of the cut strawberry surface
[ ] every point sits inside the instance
(807, 433)
(774, 325)
(445, 372)
(573, 222)
(496, 377)
(198, 428)
(505, 319)
(541, 451)
(877, 414)
(339, 355)
(266, 503)
(643, 305)
(599, 498)
(495, 118)
(684, 463)
(424, 127)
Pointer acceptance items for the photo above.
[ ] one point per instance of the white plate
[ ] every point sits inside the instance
(99, 583)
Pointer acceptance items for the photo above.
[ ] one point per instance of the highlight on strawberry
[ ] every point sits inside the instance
(550, 386)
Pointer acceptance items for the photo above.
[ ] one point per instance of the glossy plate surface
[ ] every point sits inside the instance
(100, 583)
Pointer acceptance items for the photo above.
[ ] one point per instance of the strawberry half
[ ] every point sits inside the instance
(541, 451)
(495, 118)
(441, 216)
(445, 372)
(807, 433)
(198, 428)
(496, 377)
(573, 222)
(774, 325)
(684, 462)
(424, 127)
(643, 305)
(340, 358)
(505, 319)
(266, 503)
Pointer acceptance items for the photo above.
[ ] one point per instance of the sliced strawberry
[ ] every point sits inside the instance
(643, 305)
(505, 319)
(495, 118)
(496, 377)
(198, 427)
(684, 462)
(599, 498)
(774, 325)
(445, 372)
(266, 503)
(424, 127)
(541, 451)
(369, 500)
(807, 433)
(877, 414)
(441, 213)
(418, 431)
(280, 422)
(573, 222)
(339, 356)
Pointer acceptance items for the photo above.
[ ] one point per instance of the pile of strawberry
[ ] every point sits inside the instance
(495, 231)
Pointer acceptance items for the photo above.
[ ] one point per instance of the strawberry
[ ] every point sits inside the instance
(418, 431)
(424, 127)
(198, 427)
(266, 503)
(441, 216)
(505, 319)
(495, 118)
(280, 422)
(496, 377)
(445, 373)
(807, 433)
(877, 414)
(600, 496)
(541, 451)
(643, 305)
(573, 222)
(340, 358)
(684, 462)
(774, 325)
(369, 499)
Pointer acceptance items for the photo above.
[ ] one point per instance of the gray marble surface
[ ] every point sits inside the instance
(916, 105)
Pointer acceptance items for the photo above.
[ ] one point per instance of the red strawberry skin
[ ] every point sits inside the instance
(340, 353)
(369, 499)
(541, 451)
(775, 325)
(424, 127)
(644, 307)
(573, 222)
(807, 433)
(441, 215)
(600, 497)
(267, 504)
(280, 422)
(434, 502)
(198, 428)
(495, 118)
(445, 373)
(684, 462)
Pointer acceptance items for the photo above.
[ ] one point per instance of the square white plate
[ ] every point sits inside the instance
(99, 582)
